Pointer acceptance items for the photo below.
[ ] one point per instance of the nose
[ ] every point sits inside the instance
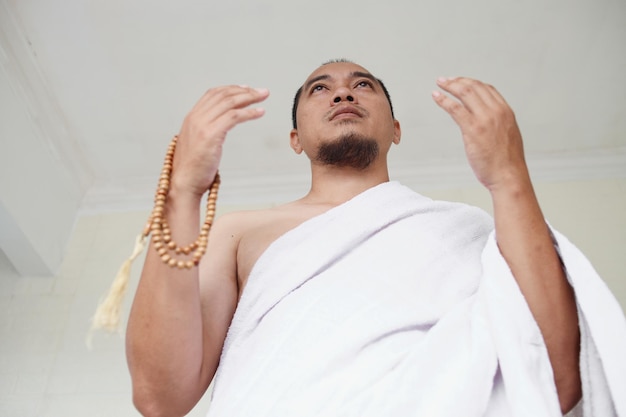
(343, 94)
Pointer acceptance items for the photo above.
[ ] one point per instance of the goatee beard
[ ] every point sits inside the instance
(349, 150)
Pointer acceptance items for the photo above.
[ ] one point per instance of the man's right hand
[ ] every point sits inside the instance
(199, 147)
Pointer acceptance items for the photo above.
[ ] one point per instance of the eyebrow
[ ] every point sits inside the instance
(354, 74)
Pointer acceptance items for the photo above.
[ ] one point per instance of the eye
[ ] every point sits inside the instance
(317, 87)
(364, 83)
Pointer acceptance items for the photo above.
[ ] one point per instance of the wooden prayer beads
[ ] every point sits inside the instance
(168, 250)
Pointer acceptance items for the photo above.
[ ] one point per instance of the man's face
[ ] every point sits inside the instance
(341, 100)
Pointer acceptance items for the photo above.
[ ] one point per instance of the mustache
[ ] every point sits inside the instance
(347, 108)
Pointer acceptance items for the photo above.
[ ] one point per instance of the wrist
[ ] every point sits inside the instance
(183, 197)
(511, 181)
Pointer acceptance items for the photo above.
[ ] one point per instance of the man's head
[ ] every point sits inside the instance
(296, 99)
(342, 116)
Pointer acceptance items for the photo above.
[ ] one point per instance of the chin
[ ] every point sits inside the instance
(351, 149)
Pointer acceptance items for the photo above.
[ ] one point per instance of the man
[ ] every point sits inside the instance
(343, 121)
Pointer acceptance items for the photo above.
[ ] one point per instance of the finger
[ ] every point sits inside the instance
(497, 96)
(458, 111)
(496, 104)
(217, 93)
(233, 117)
(472, 93)
(488, 93)
(222, 99)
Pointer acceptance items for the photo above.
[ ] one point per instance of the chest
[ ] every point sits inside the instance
(261, 233)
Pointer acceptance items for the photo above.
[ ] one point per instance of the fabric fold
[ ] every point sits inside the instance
(395, 304)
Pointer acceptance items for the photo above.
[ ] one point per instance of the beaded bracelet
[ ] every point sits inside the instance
(157, 225)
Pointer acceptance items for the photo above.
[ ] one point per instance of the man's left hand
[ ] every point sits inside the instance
(493, 142)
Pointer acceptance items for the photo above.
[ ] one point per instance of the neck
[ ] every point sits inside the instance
(333, 186)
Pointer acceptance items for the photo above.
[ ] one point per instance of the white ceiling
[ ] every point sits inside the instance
(123, 74)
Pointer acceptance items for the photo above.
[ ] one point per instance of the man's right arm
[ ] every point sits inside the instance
(179, 317)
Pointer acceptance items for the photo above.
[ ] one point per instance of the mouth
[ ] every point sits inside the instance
(346, 112)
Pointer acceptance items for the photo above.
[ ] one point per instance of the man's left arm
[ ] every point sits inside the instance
(493, 145)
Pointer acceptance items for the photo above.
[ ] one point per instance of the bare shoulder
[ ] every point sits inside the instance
(229, 230)
(224, 238)
(218, 274)
(231, 227)
(239, 221)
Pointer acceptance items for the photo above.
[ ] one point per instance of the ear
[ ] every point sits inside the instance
(294, 141)
(397, 132)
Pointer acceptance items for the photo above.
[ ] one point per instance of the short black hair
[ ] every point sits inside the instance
(296, 98)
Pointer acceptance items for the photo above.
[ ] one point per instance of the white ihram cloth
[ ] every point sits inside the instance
(396, 305)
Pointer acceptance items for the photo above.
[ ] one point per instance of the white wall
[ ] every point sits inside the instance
(39, 197)
(47, 371)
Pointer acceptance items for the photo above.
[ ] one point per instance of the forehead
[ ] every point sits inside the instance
(337, 70)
